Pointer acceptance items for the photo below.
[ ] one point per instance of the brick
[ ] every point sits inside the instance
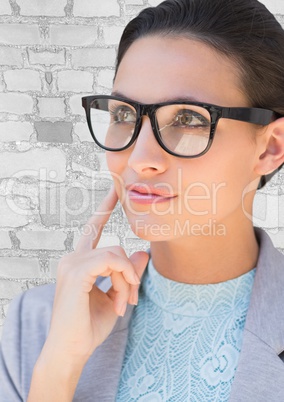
(40, 164)
(82, 130)
(68, 206)
(10, 216)
(9, 288)
(20, 205)
(154, 3)
(44, 240)
(75, 81)
(5, 241)
(16, 103)
(77, 199)
(75, 103)
(91, 57)
(106, 240)
(15, 131)
(17, 267)
(22, 80)
(54, 132)
(278, 238)
(5, 8)
(51, 107)
(47, 57)
(53, 265)
(105, 78)
(19, 34)
(42, 7)
(112, 34)
(72, 35)
(268, 211)
(275, 6)
(10, 56)
(87, 8)
(26, 188)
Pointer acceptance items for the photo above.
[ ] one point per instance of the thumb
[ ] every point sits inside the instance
(139, 260)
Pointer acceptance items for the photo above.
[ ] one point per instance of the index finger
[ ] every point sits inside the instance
(93, 228)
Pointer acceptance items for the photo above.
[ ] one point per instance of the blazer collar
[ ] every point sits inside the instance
(266, 305)
(260, 373)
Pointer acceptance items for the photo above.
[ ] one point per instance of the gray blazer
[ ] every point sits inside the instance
(260, 372)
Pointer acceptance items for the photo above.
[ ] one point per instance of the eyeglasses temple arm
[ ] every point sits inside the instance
(249, 115)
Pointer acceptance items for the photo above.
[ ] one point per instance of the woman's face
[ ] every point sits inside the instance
(165, 196)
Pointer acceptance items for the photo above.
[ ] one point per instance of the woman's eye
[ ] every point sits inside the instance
(123, 115)
(190, 118)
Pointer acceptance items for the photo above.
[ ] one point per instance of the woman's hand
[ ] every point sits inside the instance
(83, 316)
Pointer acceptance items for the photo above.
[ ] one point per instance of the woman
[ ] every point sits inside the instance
(206, 324)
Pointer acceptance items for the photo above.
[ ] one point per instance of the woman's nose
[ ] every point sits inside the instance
(147, 156)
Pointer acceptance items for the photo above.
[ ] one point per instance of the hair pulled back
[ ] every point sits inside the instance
(243, 30)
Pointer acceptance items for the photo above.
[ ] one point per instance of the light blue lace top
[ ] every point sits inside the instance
(184, 340)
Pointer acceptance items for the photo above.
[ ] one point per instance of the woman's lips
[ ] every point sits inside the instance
(148, 195)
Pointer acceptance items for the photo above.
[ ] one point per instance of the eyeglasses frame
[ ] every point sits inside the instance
(257, 116)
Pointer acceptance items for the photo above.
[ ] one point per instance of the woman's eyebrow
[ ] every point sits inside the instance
(176, 99)
(182, 98)
(119, 94)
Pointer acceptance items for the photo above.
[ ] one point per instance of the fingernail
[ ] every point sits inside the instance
(122, 309)
(134, 297)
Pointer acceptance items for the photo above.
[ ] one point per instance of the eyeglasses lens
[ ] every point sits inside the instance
(183, 129)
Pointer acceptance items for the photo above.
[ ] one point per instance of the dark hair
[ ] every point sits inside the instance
(243, 30)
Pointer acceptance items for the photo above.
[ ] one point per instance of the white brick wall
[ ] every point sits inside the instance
(5, 8)
(34, 163)
(72, 35)
(42, 7)
(15, 103)
(19, 34)
(22, 80)
(87, 8)
(51, 54)
(15, 131)
(50, 107)
(75, 81)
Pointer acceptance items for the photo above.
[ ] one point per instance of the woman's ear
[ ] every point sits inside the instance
(273, 156)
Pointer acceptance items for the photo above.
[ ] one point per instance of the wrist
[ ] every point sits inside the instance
(55, 376)
(62, 362)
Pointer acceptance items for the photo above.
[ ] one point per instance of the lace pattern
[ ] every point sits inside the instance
(184, 340)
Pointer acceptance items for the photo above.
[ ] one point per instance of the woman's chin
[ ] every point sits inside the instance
(152, 232)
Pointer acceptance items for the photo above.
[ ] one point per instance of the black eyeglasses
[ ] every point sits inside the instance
(184, 129)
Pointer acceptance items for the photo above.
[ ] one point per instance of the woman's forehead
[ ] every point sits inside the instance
(156, 69)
